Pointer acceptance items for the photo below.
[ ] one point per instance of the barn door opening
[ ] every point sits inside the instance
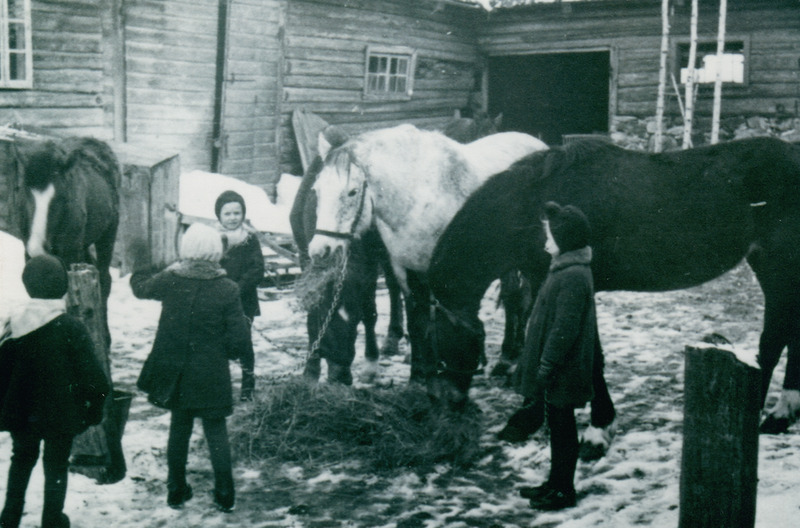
(551, 95)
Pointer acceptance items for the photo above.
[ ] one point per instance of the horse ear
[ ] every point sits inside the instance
(497, 120)
(330, 137)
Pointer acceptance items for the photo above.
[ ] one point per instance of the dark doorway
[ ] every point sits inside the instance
(550, 95)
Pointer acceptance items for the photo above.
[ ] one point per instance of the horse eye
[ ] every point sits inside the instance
(352, 192)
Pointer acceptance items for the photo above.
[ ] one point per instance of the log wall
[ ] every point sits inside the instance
(170, 71)
(252, 92)
(68, 71)
(632, 31)
(324, 54)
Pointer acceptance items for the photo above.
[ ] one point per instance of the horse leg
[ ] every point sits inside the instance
(369, 317)
(781, 329)
(104, 252)
(596, 439)
(391, 346)
(417, 318)
(516, 298)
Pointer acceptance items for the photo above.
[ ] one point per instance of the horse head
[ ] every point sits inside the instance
(38, 193)
(344, 209)
(453, 352)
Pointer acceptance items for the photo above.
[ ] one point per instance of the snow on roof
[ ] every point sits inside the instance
(489, 5)
(199, 191)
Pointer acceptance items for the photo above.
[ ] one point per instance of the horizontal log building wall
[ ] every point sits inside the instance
(324, 59)
(69, 93)
(632, 31)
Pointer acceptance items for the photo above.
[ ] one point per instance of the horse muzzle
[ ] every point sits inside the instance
(323, 246)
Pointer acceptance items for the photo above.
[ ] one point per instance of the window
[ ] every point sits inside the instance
(732, 66)
(16, 57)
(389, 72)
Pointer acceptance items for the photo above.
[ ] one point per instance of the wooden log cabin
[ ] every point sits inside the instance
(217, 81)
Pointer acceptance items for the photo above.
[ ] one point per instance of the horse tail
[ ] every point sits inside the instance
(99, 155)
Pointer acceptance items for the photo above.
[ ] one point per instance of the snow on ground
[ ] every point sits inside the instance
(199, 191)
(635, 484)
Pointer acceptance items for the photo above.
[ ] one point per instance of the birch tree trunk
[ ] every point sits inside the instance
(723, 13)
(662, 77)
(689, 97)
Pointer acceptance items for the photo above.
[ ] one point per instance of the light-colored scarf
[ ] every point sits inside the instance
(234, 237)
(30, 316)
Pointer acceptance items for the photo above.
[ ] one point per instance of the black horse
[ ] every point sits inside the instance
(367, 258)
(65, 201)
(660, 222)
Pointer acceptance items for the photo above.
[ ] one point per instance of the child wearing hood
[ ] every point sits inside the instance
(201, 327)
(243, 261)
(556, 363)
(52, 388)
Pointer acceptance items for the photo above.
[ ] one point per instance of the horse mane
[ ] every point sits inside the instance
(97, 154)
(43, 164)
(551, 162)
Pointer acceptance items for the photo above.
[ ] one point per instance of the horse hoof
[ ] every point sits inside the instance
(774, 425)
(370, 372)
(391, 347)
(513, 434)
(595, 442)
(590, 452)
(339, 374)
(501, 368)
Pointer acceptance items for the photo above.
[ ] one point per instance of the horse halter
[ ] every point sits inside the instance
(458, 321)
(352, 234)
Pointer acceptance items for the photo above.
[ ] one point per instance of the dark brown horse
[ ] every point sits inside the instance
(659, 222)
(65, 200)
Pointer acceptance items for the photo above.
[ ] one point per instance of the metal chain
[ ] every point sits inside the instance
(337, 293)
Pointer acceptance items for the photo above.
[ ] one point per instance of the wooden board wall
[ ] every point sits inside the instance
(251, 92)
(632, 30)
(170, 60)
(324, 53)
(68, 68)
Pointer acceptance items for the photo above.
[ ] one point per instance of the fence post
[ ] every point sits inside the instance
(97, 452)
(719, 465)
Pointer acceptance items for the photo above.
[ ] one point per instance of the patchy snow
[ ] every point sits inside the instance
(635, 484)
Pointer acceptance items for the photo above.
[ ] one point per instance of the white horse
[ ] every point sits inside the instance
(409, 183)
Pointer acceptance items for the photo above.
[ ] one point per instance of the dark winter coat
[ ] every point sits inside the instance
(560, 341)
(244, 264)
(51, 383)
(201, 327)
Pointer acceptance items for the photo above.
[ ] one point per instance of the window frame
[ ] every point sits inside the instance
(6, 52)
(402, 52)
(678, 42)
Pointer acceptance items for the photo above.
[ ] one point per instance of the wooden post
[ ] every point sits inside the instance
(97, 452)
(719, 466)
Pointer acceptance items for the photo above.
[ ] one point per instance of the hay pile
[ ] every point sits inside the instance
(375, 428)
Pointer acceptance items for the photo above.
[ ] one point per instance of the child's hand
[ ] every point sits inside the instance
(138, 254)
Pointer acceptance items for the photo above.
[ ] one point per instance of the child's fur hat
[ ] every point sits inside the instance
(45, 277)
(568, 225)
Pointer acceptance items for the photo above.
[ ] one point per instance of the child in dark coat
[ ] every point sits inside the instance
(557, 360)
(202, 327)
(243, 261)
(51, 389)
